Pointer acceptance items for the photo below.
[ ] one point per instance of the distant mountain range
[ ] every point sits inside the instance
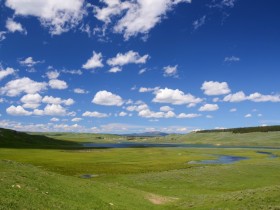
(147, 134)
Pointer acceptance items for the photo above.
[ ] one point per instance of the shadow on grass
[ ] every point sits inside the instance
(20, 140)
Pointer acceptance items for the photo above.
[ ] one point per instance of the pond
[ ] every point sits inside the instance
(221, 159)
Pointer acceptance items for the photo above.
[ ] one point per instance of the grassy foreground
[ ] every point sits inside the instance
(137, 178)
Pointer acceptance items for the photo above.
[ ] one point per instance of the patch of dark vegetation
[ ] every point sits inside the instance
(15, 139)
(244, 130)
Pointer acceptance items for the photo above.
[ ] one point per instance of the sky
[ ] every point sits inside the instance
(113, 66)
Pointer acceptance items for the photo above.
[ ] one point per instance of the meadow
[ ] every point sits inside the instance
(52, 177)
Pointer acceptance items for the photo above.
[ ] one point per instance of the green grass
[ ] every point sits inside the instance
(139, 178)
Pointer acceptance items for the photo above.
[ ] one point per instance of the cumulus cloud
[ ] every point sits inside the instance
(94, 62)
(6, 72)
(122, 114)
(22, 85)
(254, 97)
(76, 119)
(58, 84)
(248, 116)
(233, 110)
(176, 97)
(127, 58)
(139, 17)
(52, 110)
(13, 26)
(54, 119)
(58, 16)
(147, 113)
(215, 88)
(209, 108)
(57, 100)
(145, 89)
(29, 62)
(115, 69)
(258, 97)
(17, 111)
(165, 108)
(107, 99)
(170, 71)
(52, 74)
(31, 101)
(95, 114)
(236, 97)
(192, 115)
(80, 91)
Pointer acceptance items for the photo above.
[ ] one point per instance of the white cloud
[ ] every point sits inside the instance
(22, 85)
(76, 119)
(166, 108)
(57, 15)
(254, 97)
(192, 115)
(29, 62)
(94, 62)
(176, 97)
(258, 97)
(122, 114)
(2, 35)
(142, 71)
(170, 71)
(144, 89)
(58, 84)
(147, 113)
(248, 116)
(233, 110)
(54, 119)
(80, 91)
(6, 72)
(115, 69)
(107, 99)
(223, 4)
(236, 97)
(52, 110)
(31, 101)
(137, 108)
(52, 74)
(215, 88)
(78, 72)
(199, 22)
(127, 58)
(209, 108)
(232, 59)
(57, 100)
(17, 111)
(95, 114)
(139, 17)
(13, 26)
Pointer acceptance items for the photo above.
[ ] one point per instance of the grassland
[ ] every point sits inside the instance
(138, 178)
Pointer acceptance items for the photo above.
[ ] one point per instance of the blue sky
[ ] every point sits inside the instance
(134, 66)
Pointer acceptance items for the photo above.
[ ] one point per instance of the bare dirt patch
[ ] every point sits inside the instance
(159, 200)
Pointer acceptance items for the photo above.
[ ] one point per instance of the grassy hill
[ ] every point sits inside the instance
(15, 139)
(244, 130)
(38, 172)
